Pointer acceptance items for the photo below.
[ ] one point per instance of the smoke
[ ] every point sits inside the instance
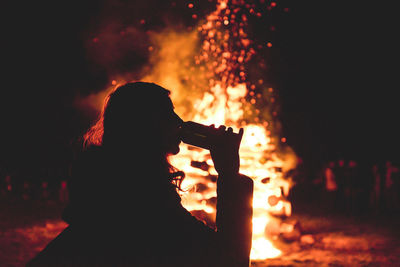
(119, 49)
(133, 41)
(172, 66)
(164, 57)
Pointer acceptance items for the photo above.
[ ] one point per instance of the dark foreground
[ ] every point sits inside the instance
(325, 240)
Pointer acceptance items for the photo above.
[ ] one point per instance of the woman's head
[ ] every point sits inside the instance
(138, 124)
(139, 116)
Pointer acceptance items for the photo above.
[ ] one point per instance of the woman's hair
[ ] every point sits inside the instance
(133, 112)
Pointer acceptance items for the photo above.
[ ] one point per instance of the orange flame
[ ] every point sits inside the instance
(224, 103)
(218, 108)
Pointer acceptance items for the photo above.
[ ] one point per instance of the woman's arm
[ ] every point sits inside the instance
(234, 201)
(234, 218)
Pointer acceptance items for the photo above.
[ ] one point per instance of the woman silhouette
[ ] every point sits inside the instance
(124, 207)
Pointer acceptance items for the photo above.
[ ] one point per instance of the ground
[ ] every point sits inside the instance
(340, 241)
(324, 240)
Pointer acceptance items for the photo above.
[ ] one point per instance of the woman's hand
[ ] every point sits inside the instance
(225, 150)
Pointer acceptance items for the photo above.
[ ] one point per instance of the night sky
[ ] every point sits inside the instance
(333, 64)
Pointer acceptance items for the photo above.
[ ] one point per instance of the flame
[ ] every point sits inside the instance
(218, 107)
(224, 103)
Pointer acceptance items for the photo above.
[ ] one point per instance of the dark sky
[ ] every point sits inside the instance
(339, 88)
(334, 66)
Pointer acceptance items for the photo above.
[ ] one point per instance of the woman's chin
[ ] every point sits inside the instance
(174, 150)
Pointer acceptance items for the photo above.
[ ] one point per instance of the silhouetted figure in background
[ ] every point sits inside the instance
(375, 201)
(342, 183)
(302, 190)
(396, 187)
(382, 184)
(331, 188)
(390, 194)
(354, 187)
(124, 207)
(365, 187)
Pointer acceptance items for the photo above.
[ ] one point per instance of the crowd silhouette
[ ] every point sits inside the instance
(42, 185)
(350, 187)
(338, 186)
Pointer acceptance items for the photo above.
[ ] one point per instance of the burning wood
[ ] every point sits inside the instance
(200, 165)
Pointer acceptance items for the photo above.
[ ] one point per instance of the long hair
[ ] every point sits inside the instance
(127, 99)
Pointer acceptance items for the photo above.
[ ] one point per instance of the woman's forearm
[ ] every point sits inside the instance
(234, 217)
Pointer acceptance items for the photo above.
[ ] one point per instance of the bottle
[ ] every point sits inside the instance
(200, 135)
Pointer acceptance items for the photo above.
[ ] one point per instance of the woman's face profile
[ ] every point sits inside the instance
(141, 116)
(171, 126)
